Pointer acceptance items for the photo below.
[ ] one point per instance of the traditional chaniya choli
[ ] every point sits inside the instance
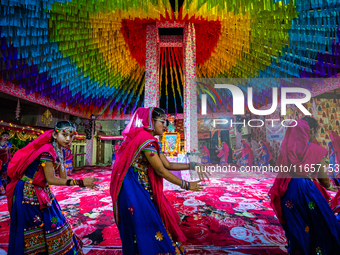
(38, 225)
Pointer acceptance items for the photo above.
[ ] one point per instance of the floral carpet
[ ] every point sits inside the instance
(230, 216)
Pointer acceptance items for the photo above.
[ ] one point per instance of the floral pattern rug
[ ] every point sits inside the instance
(228, 213)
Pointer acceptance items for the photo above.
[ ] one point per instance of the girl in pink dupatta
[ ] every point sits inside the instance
(247, 154)
(299, 198)
(116, 148)
(265, 154)
(2, 189)
(224, 153)
(5, 157)
(68, 161)
(334, 158)
(37, 223)
(147, 223)
(206, 155)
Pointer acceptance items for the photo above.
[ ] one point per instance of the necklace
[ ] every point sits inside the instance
(60, 154)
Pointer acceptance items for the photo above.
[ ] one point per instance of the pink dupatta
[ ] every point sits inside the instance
(336, 144)
(270, 154)
(295, 151)
(206, 150)
(225, 152)
(249, 151)
(335, 205)
(136, 137)
(22, 159)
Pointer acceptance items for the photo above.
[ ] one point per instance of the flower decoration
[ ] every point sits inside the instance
(318, 251)
(131, 209)
(37, 219)
(55, 220)
(311, 205)
(159, 236)
(289, 204)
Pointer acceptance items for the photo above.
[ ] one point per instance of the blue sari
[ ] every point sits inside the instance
(36, 230)
(311, 227)
(138, 217)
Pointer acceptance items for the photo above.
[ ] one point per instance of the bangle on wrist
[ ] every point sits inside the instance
(192, 165)
(330, 186)
(68, 182)
(80, 183)
(185, 185)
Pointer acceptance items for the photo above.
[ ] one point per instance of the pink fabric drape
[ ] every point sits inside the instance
(206, 150)
(22, 159)
(249, 151)
(225, 152)
(136, 137)
(336, 144)
(295, 151)
(270, 154)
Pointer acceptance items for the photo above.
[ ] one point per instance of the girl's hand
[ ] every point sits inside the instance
(202, 171)
(89, 182)
(334, 188)
(194, 186)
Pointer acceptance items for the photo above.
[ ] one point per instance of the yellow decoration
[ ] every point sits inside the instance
(20, 134)
(169, 148)
(47, 117)
(159, 236)
(13, 149)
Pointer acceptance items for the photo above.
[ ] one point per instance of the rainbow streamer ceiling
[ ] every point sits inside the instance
(90, 55)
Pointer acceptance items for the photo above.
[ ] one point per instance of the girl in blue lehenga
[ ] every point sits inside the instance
(247, 154)
(5, 157)
(334, 155)
(147, 223)
(299, 198)
(265, 154)
(68, 161)
(223, 153)
(2, 189)
(205, 155)
(116, 148)
(37, 223)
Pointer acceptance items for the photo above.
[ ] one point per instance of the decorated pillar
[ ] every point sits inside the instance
(89, 142)
(239, 123)
(190, 90)
(89, 149)
(151, 95)
(238, 138)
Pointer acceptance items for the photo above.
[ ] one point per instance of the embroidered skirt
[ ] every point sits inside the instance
(140, 226)
(311, 227)
(39, 231)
